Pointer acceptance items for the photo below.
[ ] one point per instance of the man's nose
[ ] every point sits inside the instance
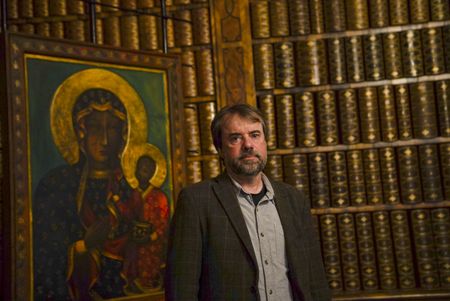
(248, 143)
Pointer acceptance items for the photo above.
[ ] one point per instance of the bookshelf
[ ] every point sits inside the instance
(357, 98)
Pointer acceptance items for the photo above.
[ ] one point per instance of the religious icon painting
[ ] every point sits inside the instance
(92, 150)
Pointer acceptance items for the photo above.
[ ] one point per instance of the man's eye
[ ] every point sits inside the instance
(234, 139)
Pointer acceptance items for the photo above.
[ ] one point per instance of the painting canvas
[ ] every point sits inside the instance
(96, 156)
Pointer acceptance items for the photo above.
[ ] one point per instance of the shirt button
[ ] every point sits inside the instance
(262, 234)
(266, 261)
(270, 292)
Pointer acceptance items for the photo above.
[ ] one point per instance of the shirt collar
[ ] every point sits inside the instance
(269, 193)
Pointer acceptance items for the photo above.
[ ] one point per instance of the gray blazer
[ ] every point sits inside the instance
(210, 255)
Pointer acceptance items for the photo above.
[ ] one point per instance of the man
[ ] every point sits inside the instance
(241, 236)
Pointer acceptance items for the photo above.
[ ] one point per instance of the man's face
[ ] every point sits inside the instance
(244, 148)
(103, 139)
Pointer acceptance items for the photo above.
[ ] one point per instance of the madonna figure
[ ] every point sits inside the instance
(88, 223)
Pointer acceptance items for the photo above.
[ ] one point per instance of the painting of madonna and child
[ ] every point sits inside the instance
(101, 181)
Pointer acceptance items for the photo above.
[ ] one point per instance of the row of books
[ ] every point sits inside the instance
(382, 250)
(198, 170)
(400, 175)
(277, 18)
(358, 58)
(185, 27)
(363, 115)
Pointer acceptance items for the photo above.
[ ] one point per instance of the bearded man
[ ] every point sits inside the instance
(243, 236)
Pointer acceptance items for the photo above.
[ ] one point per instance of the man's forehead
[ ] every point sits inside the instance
(236, 123)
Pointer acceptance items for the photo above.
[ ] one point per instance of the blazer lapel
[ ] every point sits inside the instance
(224, 191)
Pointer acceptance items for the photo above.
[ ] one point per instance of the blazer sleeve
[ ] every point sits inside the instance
(319, 287)
(184, 255)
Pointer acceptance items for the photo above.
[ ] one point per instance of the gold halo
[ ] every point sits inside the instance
(132, 155)
(68, 92)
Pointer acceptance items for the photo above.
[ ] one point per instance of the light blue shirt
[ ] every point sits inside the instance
(267, 236)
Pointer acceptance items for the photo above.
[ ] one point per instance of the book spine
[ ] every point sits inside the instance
(207, 111)
(313, 69)
(266, 105)
(41, 10)
(378, 13)
(372, 175)
(328, 130)
(129, 27)
(58, 8)
(274, 167)
(356, 178)
(357, 14)
(440, 218)
(211, 168)
(335, 16)
(279, 18)
(411, 53)
(201, 26)
(330, 250)
(183, 29)
(26, 11)
(433, 51)
(259, 11)
(299, 17)
(337, 169)
(318, 172)
(284, 65)
(305, 119)
(440, 10)
(424, 248)
(388, 118)
(392, 55)
(295, 169)
(398, 12)
(366, 251)
(373, 52)
(170, 34)
(263, 64)
(369, 116)
(419, 11)
(403, 249)
(284, 105)
(191, 130)
(189, 74)
(446, 40)
(405, 130)
(348, 116)
(410, 185)
(444, 154)
(205, 74)
(385, 250)
(336, 60)
(443, 106)
(423, 108)
(194, 171)
(391, 191)
(354, 59)
(12, 8)
(316, 16)
(149, 28)
(430, 174)
(349, 254)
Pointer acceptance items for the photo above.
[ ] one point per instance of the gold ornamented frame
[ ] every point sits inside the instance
(149, 82)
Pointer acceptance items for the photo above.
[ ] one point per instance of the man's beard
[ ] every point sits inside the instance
(241, 166)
